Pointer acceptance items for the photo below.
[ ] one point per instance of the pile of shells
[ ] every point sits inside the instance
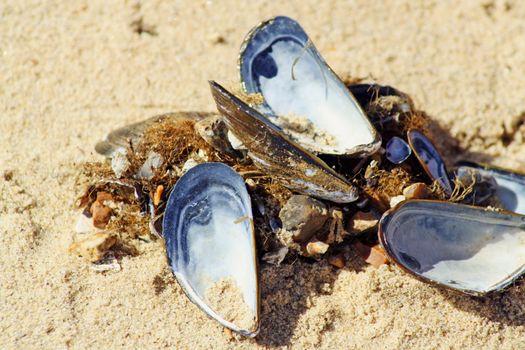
(323, 164)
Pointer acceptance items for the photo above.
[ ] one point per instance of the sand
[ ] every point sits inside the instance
(70, 71)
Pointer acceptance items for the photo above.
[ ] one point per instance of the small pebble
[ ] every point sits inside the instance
(84, 224)
(374, 255)
(190, 163)
(275, 257)
(416, 191)
(362, 221)
(303, 216)
(316, 248)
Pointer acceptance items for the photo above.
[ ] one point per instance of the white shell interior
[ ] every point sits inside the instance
(219, 248)
(213, 237)
(468, 249)
(304, 87)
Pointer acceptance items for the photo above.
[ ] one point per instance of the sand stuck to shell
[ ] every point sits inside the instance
(225, 298)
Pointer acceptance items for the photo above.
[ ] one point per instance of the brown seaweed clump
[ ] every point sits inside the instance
(146, 159)
(138, 201)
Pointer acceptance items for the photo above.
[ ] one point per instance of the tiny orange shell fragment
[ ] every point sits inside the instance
(374, 255)
(158, 195)
(377, 256)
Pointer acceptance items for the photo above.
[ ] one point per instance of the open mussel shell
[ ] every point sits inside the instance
(279, 61)
(509, 187)
(208, 229)
(465, 248)
(430, 159)
(278, 156)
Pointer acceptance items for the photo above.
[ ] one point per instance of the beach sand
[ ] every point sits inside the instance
(71, 71)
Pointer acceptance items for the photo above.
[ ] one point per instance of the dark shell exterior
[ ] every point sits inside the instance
(279, 157)
(430, 159)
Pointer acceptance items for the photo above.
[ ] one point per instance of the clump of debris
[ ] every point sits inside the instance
(124, 197)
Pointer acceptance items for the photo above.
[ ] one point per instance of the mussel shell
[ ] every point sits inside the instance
(483, 185)
(430, 159)
(278, 156)
(397, 150)
(208, 228)
(510, 185)
(368, 94)
(465, 248)
(278, 60)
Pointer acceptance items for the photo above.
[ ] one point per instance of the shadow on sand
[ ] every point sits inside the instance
(287, 289)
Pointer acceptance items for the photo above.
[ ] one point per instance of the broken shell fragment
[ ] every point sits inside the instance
(430, 159)
(397, 150)
(279, 157)
(279, 61)
(208, 228)
(152, 163)
(119, 162)
(215, 132)
(507, 186)
(469, 249)
(93, 247)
